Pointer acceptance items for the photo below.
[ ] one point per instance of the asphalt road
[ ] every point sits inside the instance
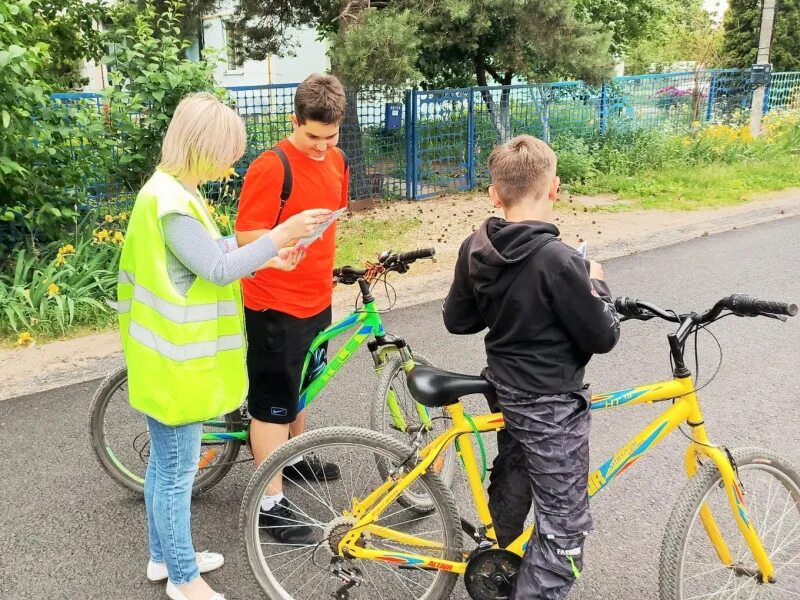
(68, 531)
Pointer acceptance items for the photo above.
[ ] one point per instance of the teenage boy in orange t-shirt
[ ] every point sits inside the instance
(285, 310)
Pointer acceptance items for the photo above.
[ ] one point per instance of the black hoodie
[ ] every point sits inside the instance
(545, 316)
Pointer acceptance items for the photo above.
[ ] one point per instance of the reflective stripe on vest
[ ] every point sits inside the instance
(183, 352)
(176, 313)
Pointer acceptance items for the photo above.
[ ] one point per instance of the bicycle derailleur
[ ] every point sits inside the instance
(349, 576)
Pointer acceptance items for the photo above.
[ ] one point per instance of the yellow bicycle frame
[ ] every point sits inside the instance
(684, 409)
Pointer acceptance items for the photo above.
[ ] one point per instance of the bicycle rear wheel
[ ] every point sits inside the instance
(121, 441)
(392, 394)
(310, 571)
(690, 567)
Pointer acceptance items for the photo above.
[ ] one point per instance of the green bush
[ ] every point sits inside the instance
(44, 156)
(575, 159)
(44, 291)
(150, 75)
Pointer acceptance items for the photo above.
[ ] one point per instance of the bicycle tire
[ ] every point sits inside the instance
(126, 477)
(674, 559)
(316, 441)
(380, 419)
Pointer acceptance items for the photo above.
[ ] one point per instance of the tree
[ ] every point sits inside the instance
(42, 176)
(685, 32)
(373, 51)
(70, 28)
(191, 14)
(742, 26)
(150, 74)
(532, 40)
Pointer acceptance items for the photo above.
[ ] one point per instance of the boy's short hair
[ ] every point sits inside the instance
(204, 138)
(523, 166)
(319, 98)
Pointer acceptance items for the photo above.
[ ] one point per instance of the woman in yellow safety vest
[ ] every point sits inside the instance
(181, 322)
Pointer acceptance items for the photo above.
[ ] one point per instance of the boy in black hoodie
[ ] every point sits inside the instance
(547, 310)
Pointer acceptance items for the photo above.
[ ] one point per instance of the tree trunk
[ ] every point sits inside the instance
(352, 143)
(351, 140)
(500, 117)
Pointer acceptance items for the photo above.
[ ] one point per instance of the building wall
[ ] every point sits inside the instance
(311, 57)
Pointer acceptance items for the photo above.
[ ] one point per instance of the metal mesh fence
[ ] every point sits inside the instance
(784, 91)
(418, 143)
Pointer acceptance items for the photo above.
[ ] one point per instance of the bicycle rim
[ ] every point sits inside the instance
(306, 572)
(123, 440)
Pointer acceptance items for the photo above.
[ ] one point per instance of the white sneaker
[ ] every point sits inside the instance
(175, 594)
(206, 561)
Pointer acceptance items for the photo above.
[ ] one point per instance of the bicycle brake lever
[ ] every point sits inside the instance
(780, 318)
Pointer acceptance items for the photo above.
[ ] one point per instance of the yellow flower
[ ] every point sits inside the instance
(52, 290)
(68, 249)
(25, 339)
(102, 235)
(60, 260)
(109, 218)
(229, 174)
(224, 220)
(123, 216)
(210, 208)
(119, 237)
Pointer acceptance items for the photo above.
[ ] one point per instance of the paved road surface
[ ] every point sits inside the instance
(69, 532)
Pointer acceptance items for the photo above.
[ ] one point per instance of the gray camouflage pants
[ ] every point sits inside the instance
(543, 460)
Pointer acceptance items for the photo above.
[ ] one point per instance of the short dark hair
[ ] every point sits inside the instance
(319, 98)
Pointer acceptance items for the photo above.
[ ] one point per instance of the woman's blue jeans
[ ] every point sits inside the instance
(174, 453)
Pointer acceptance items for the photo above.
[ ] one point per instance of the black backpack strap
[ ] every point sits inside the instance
(346, 163)
(286, 189)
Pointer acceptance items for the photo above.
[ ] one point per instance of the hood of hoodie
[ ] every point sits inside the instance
(499, 246)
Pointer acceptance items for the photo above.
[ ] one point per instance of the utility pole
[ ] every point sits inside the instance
(764, 43)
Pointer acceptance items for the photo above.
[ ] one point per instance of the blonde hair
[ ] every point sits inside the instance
(204, 138)
(523, 166)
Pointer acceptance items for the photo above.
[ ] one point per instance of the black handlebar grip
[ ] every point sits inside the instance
(409, 257)
(742, 304)
(775, 308)
(627, 307)
(345, 272)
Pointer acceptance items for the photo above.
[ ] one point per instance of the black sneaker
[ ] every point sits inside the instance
(311, 469)
(285, 525)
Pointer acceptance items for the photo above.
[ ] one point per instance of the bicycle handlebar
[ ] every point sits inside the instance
(389, 260)
(739, 304)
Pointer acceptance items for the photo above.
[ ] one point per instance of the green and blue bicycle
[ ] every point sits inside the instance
(121, 441)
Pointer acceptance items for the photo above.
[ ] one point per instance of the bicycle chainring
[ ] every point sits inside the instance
(490, 574)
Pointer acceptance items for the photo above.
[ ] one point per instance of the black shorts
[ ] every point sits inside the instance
(277, 345)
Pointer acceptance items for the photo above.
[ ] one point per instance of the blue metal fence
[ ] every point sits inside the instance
(425, 142)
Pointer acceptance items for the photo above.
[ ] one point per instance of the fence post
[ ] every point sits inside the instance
(603, 109)
(712, 89)
(409, 138)
(471, 139)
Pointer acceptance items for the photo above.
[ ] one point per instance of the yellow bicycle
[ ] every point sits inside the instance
(734, 532)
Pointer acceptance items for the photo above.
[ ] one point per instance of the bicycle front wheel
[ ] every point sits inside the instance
(315, 568)
(690, 567)
(396, 413)
(121, 441)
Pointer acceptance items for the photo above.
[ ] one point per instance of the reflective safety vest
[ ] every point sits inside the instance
(185, 354)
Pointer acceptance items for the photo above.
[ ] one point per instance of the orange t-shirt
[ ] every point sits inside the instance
(307, 290)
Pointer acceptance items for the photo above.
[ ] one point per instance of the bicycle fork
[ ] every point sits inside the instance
(398, 420)
(726, 466)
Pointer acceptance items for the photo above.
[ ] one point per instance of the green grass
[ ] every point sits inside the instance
(700, 186)
(363, 238)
